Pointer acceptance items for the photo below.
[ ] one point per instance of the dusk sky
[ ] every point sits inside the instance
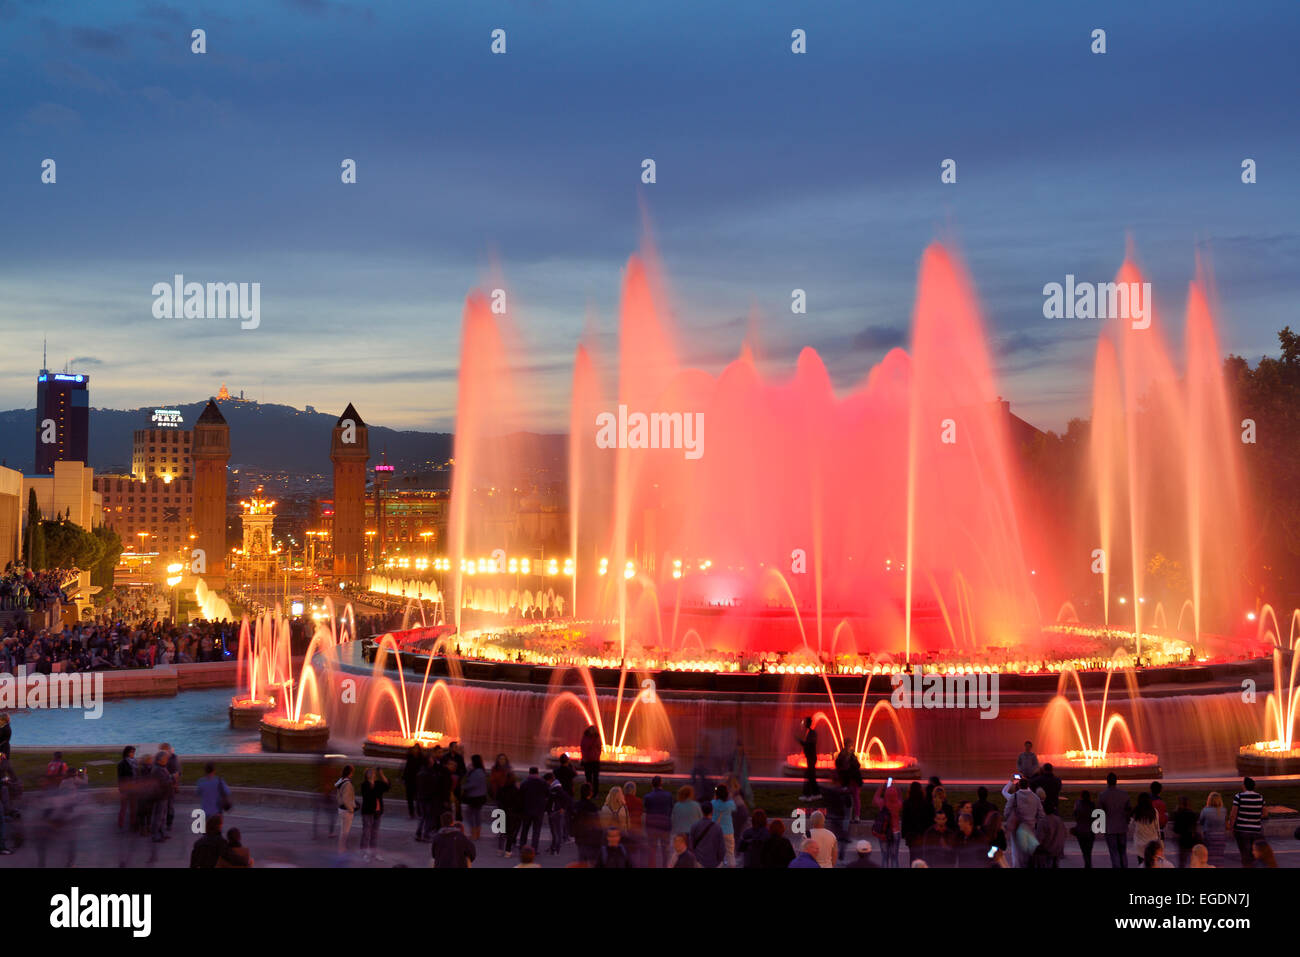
(775, 171)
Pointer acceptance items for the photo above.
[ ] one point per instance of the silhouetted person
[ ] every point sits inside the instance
(807, 739)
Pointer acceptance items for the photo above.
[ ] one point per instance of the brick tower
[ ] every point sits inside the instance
(210, 451)
(349, 451)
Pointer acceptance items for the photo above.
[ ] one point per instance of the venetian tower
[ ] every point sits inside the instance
(349, 451)
(210, 452)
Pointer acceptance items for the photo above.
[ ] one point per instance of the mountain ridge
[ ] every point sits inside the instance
(262, 435)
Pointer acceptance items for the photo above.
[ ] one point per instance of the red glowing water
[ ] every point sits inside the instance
(889, 516)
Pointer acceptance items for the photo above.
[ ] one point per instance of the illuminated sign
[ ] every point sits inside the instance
(166, 418)
(384, 468)
(63, 377)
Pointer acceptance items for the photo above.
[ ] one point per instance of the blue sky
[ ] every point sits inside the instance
(775, 171)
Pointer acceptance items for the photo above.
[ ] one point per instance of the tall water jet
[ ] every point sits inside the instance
(961, 513)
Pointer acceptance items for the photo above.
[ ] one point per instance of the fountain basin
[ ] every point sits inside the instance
(1091, 765)
(895, 765)
(247, 713)
(394, 744)
(1268, 757)
(626, 758)
(309, 734)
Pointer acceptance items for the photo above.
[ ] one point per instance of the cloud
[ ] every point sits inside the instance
(53, 114)
(97, 40)
(315, 8)
(878, 337)
(195, 105)
(322, 8)
(86, 361)
(75, 75)
(153, 10)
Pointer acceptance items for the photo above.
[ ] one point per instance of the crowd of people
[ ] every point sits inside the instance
(147, 788)
(103, 644)
(539, 813)
(1028, 829)
(22, 589)
(133, 628)
(718, 826)
(452, 800)
(455, 802)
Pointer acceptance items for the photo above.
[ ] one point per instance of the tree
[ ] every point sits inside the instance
(34, 535)
(68, 544)
(111, 543)
(1269, 395)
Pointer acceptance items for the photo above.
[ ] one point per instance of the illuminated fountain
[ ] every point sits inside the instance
(701, 529)
(1093, 756)
(258, 673)
(1277, 753)
(298, 722)
(615, 751)
(870, 749)
(411, 731)
(834, 527)
(212, 607)
(906, 528)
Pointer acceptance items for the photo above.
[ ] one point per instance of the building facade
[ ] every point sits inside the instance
(149, 515)
(11, 515)
(162, 453)
(68, 492)
(62, 419)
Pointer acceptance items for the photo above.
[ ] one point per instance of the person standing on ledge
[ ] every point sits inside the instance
(590, 748)
(1027, 761)
(740, 768)
(807, 739)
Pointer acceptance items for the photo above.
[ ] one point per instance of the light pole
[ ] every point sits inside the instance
(174, 579)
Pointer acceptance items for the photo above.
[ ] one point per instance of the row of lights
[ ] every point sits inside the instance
(513, 566)
(629, 567)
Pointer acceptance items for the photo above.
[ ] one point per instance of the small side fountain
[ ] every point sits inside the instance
(1277, 753)
(298, 722)
(615, 752)
(1094, 757)
(870, 749)
(257, 673)
(395, 743)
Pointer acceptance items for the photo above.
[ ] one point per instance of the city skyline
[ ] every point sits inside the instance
(773, 178)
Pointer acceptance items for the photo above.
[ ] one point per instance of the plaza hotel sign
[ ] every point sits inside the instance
(166, 418)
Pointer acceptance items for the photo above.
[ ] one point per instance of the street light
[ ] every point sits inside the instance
(174, 579)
